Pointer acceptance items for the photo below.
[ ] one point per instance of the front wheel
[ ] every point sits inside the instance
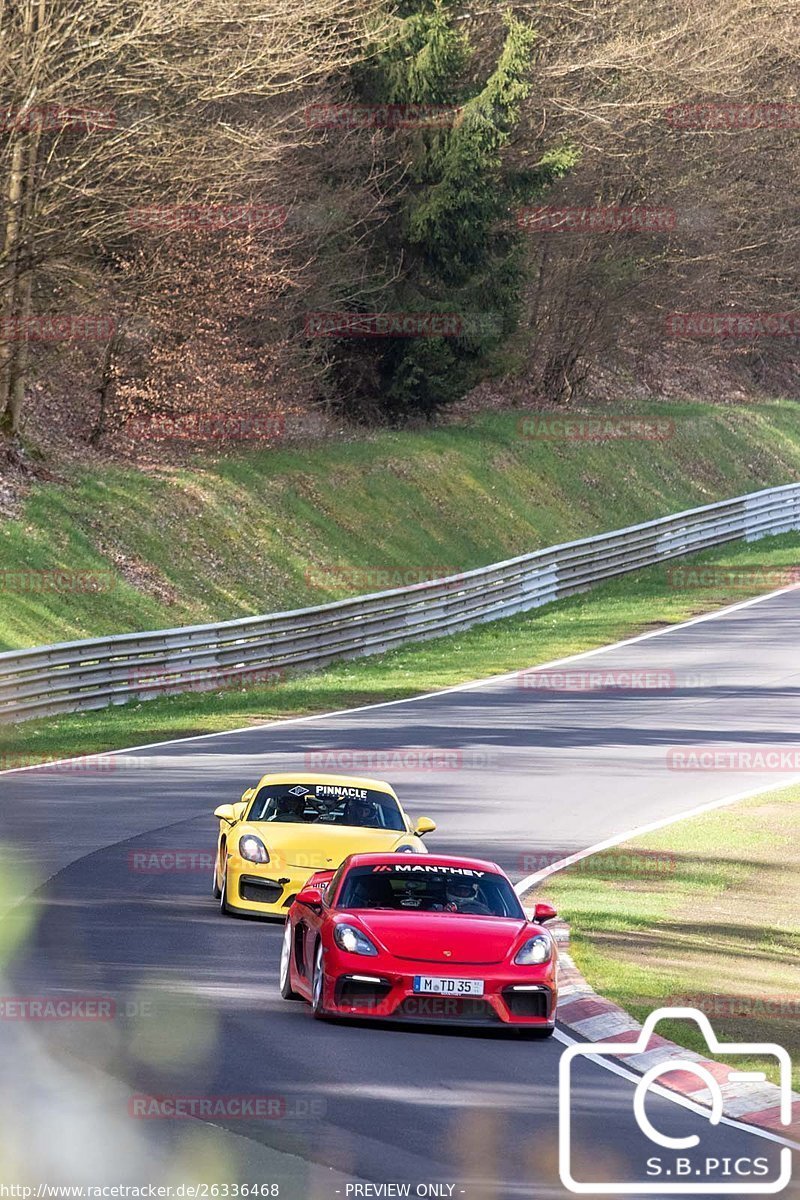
(216, 890)
(223, 895)
(318, 984)
(287, 991)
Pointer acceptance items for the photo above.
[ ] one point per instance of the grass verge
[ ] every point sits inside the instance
(704, 913)
(115, 549)
(620, 608)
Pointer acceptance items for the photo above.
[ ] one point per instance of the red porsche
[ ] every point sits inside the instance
(414, 937)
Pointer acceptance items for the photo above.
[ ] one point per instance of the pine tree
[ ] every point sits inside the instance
(453, 231)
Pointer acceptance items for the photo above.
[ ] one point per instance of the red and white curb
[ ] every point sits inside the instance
(594, 1019)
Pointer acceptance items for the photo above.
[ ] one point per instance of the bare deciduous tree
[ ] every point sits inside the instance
(108, 106)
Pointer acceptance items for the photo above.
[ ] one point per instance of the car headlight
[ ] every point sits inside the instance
(536, 950)
(405, 850)
(347, 937)
(253, 849)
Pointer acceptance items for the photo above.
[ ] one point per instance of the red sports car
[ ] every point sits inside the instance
(420, 938)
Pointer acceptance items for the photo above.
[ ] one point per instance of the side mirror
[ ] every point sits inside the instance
(424, 825)
(248, 795)
(311, 897)
(543, 912)
(226, 812)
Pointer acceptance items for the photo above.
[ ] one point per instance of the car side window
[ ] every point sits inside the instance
(330, 890)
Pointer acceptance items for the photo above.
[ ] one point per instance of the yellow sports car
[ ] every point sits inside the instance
(292, 825)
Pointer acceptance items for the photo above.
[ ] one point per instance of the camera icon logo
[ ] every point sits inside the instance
(697, 1174)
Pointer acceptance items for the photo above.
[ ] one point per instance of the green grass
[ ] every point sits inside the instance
(270, 530)
(703, 912)
(614, 610)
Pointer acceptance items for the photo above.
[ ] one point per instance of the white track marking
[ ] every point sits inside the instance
(530, 881)
(458, 687)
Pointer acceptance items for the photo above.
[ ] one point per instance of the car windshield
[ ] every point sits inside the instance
(424, 888)
(326, 804)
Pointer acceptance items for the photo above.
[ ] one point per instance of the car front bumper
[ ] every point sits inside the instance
(524, 997)
(265, 889)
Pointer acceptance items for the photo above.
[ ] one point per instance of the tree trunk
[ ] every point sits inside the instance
(106, 384)
(11, 282)
(17, 292)
(18, 365)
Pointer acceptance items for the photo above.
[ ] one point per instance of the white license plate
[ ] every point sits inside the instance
(446, 986)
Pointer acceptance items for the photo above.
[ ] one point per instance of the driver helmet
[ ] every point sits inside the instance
(463, 889)
(360, 810)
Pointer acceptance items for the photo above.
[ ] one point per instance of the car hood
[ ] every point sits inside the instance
(319, 847)
(425, 937)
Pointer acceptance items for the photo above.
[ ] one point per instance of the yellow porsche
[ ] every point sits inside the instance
(292, 825)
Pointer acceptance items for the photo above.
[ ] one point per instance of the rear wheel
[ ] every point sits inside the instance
(318, 984)
(287, 991)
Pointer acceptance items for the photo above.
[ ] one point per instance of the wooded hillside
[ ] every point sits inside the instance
(222, 222)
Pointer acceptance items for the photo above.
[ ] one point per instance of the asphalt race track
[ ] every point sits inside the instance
(197, 1007)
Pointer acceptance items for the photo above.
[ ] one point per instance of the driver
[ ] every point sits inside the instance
(359, 811)
(292, 808)
(464, 897)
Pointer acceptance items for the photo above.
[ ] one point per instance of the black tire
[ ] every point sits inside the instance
(223, 896)
(317, 984)
(216, 891)
(287, 991)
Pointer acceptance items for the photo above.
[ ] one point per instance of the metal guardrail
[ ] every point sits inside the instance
(72, 676)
